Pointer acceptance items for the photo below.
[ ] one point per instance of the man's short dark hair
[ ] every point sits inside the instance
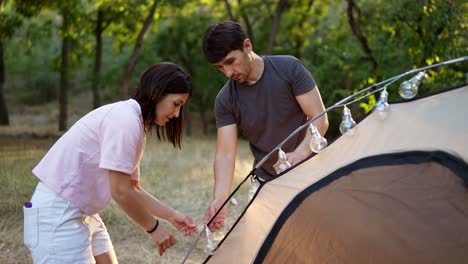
(222, 38)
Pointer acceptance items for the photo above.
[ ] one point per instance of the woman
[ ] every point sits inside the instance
(98, 159)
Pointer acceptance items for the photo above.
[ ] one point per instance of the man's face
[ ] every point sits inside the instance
(236, 65)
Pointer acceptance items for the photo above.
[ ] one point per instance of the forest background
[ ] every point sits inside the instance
(59, 59)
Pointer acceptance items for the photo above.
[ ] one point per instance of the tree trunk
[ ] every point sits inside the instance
(229, 11)
(136, 52)
(4, 119)
(249, 27)
(204, 122)
(247, 23)
(64, 76)
(282, 4)
(97, 59)
(355, 24)
(299, 42)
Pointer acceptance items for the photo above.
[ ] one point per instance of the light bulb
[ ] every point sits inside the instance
(233, 201)
(346, 126)
(409, 89)
(283, 162)
(210, 245)
(317, 142)
(254, 184)
(382, 106)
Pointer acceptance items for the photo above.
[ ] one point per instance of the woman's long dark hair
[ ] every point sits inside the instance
(156, 82)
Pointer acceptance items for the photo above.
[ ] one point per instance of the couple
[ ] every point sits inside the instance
(98, 158)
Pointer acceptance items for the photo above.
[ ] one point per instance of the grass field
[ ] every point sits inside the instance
(182, 179)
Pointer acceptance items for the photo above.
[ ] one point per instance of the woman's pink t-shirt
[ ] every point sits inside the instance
(77, 166)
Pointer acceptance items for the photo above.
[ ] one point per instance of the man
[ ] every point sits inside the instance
(268, 97)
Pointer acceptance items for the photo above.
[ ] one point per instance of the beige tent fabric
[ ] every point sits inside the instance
(433, 123)
(415, 213)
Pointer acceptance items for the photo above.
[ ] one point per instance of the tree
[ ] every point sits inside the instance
(4, 119)
(70, 31)
(179, 40)
(97, 57)
(280, 8)
(9, 21)
(136, 52)
(64, 71)
(106, 13)
(119, 15)
(354, 20)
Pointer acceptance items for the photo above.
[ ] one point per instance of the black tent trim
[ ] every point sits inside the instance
(457, 165)
(262, 183)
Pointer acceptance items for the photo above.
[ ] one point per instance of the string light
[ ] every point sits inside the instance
(317, 142)
(254, 184)
(233, 201)
(210, 244)
(382, 106)
(283, 162)
(347, 125)
(409, 89)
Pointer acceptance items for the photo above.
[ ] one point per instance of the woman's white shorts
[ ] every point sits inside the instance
(55, 231)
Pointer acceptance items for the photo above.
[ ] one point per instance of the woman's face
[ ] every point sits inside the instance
(169, 107)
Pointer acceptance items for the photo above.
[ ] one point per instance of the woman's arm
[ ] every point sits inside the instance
(142, 206)
(157, 208)
(126, 195)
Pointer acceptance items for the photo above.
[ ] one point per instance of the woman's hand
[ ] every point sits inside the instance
(163, 239)
(183, 223)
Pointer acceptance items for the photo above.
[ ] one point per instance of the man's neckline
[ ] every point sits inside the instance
(262, 69)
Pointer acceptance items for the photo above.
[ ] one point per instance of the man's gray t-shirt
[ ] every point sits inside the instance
(267, 112)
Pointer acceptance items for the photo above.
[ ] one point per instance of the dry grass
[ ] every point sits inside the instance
(41, 120)
(180, 178)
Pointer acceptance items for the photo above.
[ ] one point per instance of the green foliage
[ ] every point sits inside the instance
(401, 34)
(10, 20)
(29, 57)
(367, 107)
(179, 40)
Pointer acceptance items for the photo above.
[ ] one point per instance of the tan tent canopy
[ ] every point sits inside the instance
(394, 192)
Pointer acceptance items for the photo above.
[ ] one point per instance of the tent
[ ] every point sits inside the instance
(394, 192)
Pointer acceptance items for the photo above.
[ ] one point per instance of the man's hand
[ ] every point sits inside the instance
(183, 223)
(291, 158)
(218, 222)
(294, 158)
(163, 239)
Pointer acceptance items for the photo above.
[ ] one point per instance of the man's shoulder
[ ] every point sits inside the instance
(281, 59)
(282, 64)
(225, 90)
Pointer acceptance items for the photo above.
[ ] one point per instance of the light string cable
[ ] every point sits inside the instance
(364, 96)
(346, 101)
(367, 95)
(251, 173)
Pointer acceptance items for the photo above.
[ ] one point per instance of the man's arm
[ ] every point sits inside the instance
(224, 164)
(311, 104)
